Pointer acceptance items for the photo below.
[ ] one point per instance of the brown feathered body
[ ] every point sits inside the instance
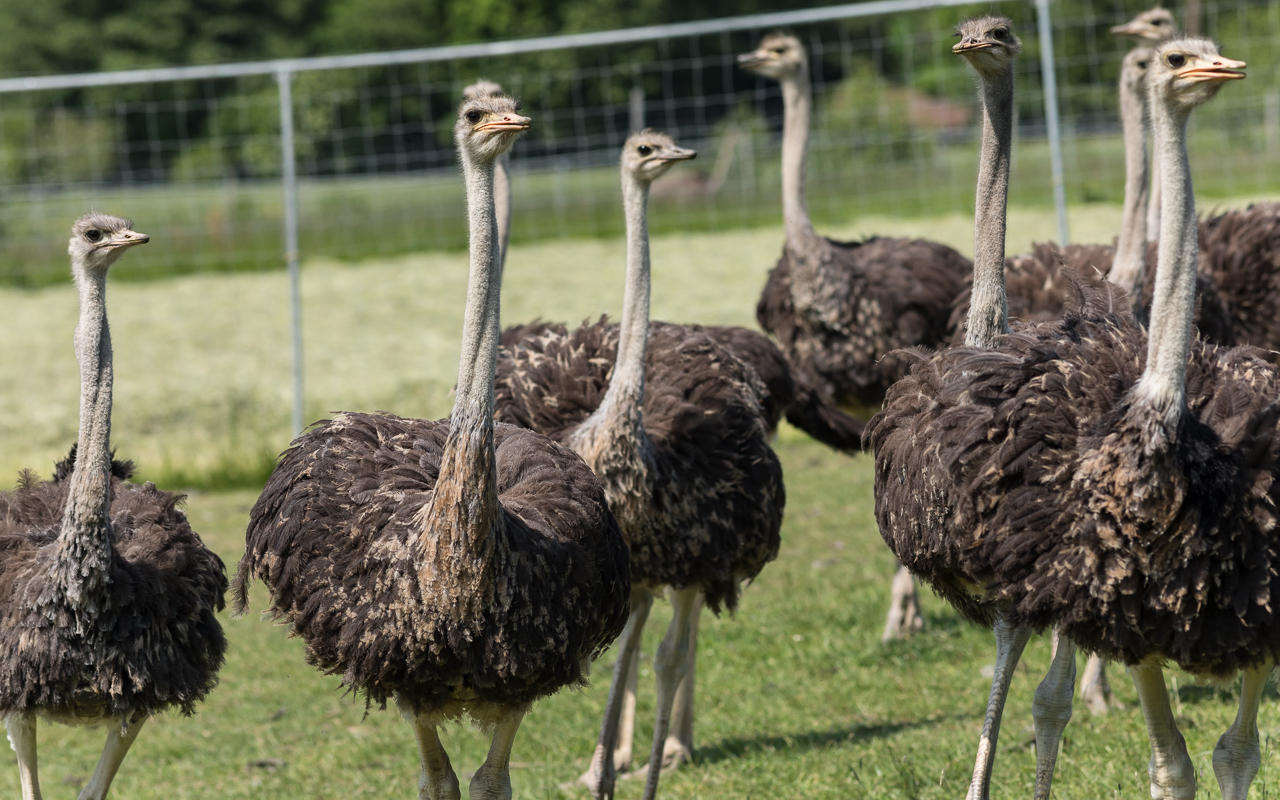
(1049, 496)
(866, 300)
(786, 392)
(1038, 290)
(1240, 252)
(698, 496)
(155, 643)
(360, 558)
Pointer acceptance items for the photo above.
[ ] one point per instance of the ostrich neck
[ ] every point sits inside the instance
(464, 514)
(1153, 199)
(1162, 385)
(797, 100)
(1130, 265)
(621, 407)
(988, 307)
(84, 551)
(502, 208)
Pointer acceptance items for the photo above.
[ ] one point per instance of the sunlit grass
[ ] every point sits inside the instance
(796, 697)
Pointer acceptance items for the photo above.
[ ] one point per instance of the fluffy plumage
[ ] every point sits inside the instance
(156, 646)
(1240, 252)
(709, 508)
(337, 535)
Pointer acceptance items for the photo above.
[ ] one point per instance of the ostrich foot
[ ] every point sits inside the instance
(437, 780)
(904, 608)
(493, 780)
(674, 756)
(1237, 757)
(1095, 690)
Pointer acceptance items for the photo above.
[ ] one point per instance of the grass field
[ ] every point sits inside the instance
(796, 695)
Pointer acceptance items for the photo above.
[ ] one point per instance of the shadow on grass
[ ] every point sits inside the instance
(727, 749)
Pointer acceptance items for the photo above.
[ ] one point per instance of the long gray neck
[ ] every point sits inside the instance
(1163, 381)
(468, 464)
(623, 401)
(1154, 199)
(1129, 268)
(988, 306)
(502, 207)
(84, 551)
(797, 101)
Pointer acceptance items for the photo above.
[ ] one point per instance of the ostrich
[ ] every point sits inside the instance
(501, 177)
(839, 309)
(1150, 28)
(916, 493)
(458, 566)
(1123, 489)
(671, 422)
(109, 597)
(1068, 470)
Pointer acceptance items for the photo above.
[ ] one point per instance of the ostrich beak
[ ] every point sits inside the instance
(753, 59)
(678, 154)
(969, 45)
(1131, 28)
(1222, 69)
(127, 238)
(509, 122)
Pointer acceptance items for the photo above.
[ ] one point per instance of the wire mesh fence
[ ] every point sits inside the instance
(894, 125)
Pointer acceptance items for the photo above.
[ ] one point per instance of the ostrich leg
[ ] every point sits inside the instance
(671, 665)
(1094, 688)
(1173, 776)
(1237, 757)
(438, 782)
(493, 780)
(600, 776)
(1010, 642)
(1051, 710)
(118, 743)
(627, 722)
(904, 607)
(22, 738)
(679, 746)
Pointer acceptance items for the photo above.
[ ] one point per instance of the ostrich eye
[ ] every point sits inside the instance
(1000, 34)
(1176, 60)
(1162, 22)
(473, 117)
(645, 149)
(93, 235)
(779, 50)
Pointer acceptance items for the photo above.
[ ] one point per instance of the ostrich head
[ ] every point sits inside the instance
(1188, 72)
(488, 126)
(1134, 68)
(97, 240)
(647, 155)
(988, 44)
(481, 88)
(1153, 25)
(779, 55)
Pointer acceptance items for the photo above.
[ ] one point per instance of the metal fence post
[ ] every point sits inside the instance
(290, 175)
(1052, 126)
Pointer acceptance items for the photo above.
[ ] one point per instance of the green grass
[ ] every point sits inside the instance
(796, 696)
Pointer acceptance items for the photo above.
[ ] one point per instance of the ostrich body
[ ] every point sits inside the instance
(107, 597)
(671, 422)
(454, 566)
(840, 309)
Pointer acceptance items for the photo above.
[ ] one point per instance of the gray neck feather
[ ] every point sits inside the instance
(621, 408)
(797, 99)
(988, 307)
(502, 207)
(1163, 381)
(84, 551)
(1129, 268)
(468, 459)
(1153, 200)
